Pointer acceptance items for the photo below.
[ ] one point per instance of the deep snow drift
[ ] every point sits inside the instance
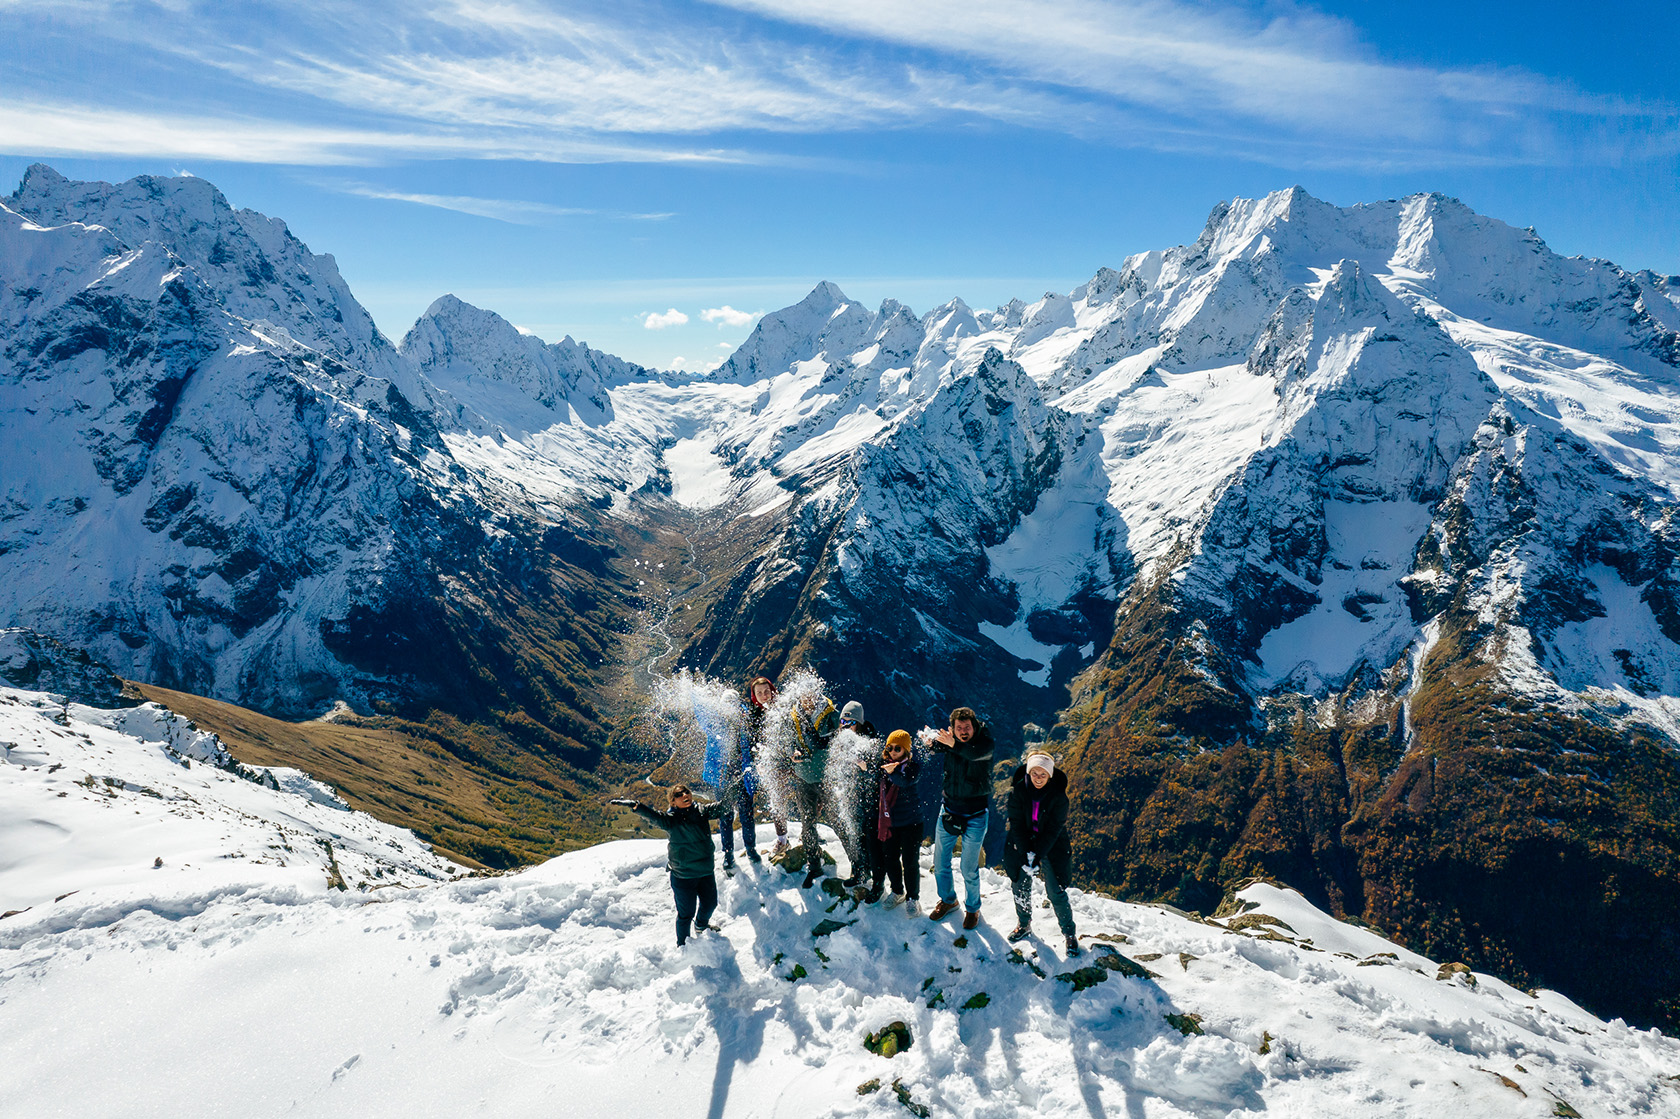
(234, 980)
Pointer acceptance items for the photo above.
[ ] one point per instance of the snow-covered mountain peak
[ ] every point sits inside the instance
(460, 347)
(950, 323)
(824, 322)
(1350, 293)
(258, 270)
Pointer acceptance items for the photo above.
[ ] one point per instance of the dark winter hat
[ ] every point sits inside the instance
(964, 713)
(852, 712)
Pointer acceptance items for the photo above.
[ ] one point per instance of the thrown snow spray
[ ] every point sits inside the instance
(848, 778)
(774, 749)
(700, 720)
(774, 754)
(707, 730)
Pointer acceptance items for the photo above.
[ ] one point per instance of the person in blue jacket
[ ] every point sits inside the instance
(737, 788)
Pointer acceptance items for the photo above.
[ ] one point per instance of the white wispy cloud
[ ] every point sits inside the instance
(512, 211)
(42, 127)
(659, 320)
(1190, 75)
(727, 316)
(586, 82)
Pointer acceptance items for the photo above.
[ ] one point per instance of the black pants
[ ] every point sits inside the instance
(897, 858)
(854, 838)
(1055, 875)
(692, 892)
(811, 805)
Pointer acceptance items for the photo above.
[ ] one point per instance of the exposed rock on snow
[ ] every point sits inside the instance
(35, 662)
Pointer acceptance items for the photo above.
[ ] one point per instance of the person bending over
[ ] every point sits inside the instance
(1038, 839)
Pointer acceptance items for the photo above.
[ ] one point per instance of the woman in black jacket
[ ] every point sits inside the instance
(1038, 839)
(689, 827)
(895, 832)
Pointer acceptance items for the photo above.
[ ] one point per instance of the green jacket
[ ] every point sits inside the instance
(809, 746)
(690, 831)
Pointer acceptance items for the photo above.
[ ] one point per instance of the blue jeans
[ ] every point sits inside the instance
(973, 839)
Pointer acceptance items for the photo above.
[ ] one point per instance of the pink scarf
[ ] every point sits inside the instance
(883, 818)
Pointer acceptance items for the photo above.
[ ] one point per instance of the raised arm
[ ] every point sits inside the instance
(652, 815)
(904, 774)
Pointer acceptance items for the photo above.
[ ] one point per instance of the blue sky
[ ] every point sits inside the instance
(588, 168)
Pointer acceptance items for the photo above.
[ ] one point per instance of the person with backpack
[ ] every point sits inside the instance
(965, 809)
(1038, 840)
(896, 831)
(689, 855)
(814, 724)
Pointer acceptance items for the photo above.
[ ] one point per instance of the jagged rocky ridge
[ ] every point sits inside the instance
(1350, 529)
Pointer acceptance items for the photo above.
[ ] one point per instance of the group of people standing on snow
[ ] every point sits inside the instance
(871, 800)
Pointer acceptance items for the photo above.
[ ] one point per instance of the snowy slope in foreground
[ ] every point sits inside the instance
(91, 799)
(246, 987)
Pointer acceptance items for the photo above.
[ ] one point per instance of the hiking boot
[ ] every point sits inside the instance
(971, 919)
(1021, 933)
(942, 909)
(872, 895)
(911, 909)
(893, 901)
(780, 847)
(853, 879)
(1073, 947)
(811, 876)
(753, 856)
(729, 868)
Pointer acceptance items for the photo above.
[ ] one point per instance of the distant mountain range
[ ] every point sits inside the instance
(1336, 546)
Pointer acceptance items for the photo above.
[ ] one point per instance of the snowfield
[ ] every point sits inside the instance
(232, 979)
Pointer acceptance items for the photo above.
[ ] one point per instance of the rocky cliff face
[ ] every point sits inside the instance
(1337, 545)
